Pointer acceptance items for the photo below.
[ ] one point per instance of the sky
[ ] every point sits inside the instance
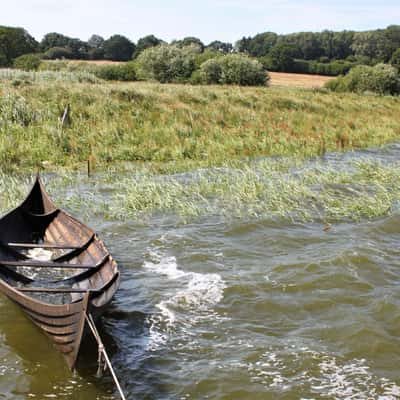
(225, 20)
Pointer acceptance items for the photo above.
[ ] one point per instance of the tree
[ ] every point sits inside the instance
(189, 41)
(95, 41)
(262, 43)
(3, 60)
(395, 60)
(222, 47)
(95, 49)
(308, 44)
(391, 41)
(341, 45)
(243, 45)
(145, 43)
(15, 42)
(54, 39)
(118, 48)
(77, 47)
(167, 63)
(366, 43)
(282, 57)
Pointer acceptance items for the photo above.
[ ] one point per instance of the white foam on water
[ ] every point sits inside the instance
(353, 380)
(166, 266)
(191, 302)
(336, 379)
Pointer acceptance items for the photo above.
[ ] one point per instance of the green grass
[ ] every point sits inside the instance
(180, 127)
(282, 189)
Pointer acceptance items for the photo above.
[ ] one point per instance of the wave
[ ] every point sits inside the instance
(189, 298)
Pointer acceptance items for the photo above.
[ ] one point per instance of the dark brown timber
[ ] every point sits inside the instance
(38, 224)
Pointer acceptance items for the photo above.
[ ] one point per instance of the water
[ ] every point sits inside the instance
(241, 308)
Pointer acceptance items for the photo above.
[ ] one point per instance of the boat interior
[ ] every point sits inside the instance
(52, 256)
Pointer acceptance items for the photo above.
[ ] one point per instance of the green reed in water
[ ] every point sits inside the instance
(277, 189)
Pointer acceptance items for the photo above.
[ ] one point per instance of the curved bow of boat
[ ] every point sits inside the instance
(38, 202)
(87, 275)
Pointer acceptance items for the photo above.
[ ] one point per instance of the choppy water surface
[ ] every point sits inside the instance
(233, 308)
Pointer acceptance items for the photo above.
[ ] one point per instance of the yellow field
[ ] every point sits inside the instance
(298, 80)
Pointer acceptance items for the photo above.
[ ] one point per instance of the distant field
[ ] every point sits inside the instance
(298, 80)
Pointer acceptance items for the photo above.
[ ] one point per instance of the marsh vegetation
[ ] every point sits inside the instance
(181, 124)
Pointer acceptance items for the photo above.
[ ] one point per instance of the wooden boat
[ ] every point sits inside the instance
(87, 275)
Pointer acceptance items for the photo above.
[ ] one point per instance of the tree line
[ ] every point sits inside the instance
(326, 52)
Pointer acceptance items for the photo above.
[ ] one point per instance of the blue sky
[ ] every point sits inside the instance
(226, 20)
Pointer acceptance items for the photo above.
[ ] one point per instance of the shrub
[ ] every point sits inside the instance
(119, 72)
(234, 69)
(58, 53)
(208, 54)
(27, 62)
(381, 79)
(166, 63)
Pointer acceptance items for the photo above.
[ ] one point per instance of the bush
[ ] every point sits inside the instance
(28, 62)
(208, 54)
(166, 63)
(119, 72)
(58, 53)
(233, 69)
(381, 79)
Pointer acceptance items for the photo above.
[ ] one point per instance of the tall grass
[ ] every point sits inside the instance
(270, 189)
(187, 125)
(18, 77)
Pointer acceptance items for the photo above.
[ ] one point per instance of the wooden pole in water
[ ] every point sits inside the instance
(91, 164)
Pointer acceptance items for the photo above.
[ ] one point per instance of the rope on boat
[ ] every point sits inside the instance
(103, 353)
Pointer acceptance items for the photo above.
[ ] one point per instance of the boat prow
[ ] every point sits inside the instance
(78, 276)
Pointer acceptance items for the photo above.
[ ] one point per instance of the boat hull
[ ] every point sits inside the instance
(57, 294)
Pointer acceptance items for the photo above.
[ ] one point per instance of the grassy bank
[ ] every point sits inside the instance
(113, 123)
